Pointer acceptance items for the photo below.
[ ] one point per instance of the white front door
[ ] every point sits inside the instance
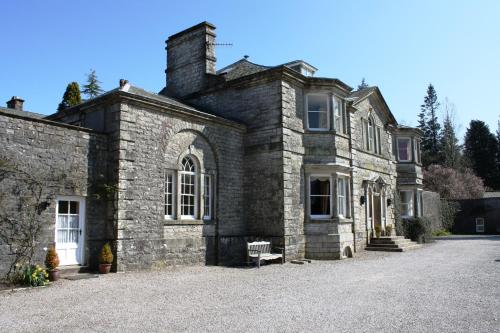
(70, 217)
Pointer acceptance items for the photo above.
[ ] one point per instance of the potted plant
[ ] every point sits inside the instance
(388, 230)
(105, 259)
(378, 231)
(52, 262)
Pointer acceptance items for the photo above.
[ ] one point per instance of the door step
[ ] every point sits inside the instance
(392, 244)
(66, 271)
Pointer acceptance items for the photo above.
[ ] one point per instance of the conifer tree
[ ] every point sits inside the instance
(480, 147)
(71, 96)
(92, 88)
(428, 123)
(363, 84)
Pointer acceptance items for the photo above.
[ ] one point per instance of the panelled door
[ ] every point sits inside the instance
(70, 219)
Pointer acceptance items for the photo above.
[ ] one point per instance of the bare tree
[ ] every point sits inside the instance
(25, 196)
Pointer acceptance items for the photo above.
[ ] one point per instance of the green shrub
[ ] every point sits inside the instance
(106, 256)
(34, 276)
(449, 210)
(378, 230)
(418, 229)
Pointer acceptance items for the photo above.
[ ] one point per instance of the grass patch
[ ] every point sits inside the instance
(440, 233)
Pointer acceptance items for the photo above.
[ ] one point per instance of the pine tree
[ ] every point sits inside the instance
(363, 84)
(480, 148)
(428, 123)
(450, 149)
(93, 87)
(71, 96)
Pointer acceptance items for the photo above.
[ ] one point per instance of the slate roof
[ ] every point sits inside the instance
(361, 94)
(22, 113)
(241, 68)
(133, 90)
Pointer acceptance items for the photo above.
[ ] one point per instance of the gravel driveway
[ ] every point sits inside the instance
(452, 285)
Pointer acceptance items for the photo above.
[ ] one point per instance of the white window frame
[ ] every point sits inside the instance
(328, 110)
(169, 173)
(195, 194)
(342, 199)
(480, 224)
(416, 150)
(207, 197)
(408, 149)
(409, 205)
(339, 116)
(330, 179)
(420, 203)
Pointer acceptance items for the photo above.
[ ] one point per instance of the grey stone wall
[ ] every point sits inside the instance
(258, 106)
(152, 141)
(431, 209)
(70, 161)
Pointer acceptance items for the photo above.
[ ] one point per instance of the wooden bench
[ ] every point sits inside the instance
(262, 251)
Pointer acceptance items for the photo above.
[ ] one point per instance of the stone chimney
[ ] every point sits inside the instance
(15, 103)
(190, 59)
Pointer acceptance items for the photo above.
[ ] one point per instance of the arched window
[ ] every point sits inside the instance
(188, 188)
(371, 134)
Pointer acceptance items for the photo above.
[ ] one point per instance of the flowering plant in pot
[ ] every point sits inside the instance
(52, 262)
(105, 259)
(378, 231)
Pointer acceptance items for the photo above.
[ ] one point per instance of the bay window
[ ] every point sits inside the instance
(406, 204)
(318, 117)
(342, 190)
(404, 149)
(320, 196)
(420, 201)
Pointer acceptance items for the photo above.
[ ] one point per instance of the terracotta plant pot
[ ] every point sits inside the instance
(104, 268)
(53, 275)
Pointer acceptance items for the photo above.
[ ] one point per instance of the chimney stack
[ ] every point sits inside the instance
(190, 57)
(15, 103)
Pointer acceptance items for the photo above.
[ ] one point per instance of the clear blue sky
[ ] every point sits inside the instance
(400, 46)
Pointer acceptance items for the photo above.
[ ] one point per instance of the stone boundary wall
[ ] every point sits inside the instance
(431, 208)
(69, 159)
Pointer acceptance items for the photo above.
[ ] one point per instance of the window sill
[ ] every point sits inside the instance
(325, 131)
(187, 222)
(341, 220)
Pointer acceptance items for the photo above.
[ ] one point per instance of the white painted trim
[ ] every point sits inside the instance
(174, 193)
(80, 255)
(410, 150)
(329, 176)
(328, 111)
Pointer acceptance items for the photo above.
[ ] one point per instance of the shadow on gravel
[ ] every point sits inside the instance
(470, 237)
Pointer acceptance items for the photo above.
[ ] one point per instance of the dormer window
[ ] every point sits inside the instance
(318, 117)
(404, 149)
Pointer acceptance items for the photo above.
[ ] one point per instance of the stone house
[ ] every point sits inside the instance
(215, 159)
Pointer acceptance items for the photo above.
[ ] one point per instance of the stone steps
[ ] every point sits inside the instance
(392, 244)
(65, 271)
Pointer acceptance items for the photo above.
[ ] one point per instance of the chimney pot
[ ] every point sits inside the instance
(15, 103)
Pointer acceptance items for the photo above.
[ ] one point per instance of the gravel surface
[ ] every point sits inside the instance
(452, 285)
